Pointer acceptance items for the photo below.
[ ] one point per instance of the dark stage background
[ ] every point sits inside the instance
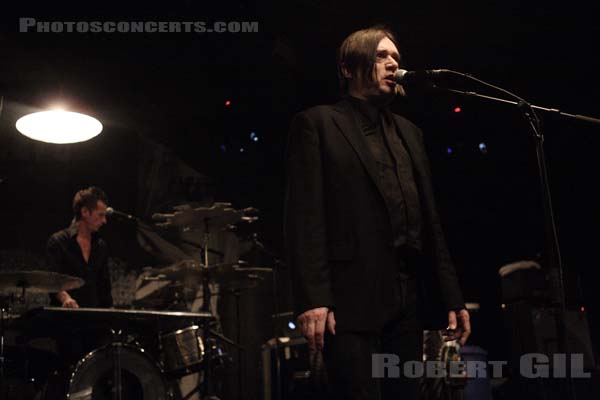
(169, 137)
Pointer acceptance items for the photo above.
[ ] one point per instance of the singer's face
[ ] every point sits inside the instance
(382, 85)
(386, 64)
(94, 219)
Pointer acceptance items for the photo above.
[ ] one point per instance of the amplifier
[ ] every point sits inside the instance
(533, 329)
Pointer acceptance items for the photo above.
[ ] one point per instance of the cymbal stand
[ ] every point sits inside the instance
(277, 331)
(5, 302)
(3, 310)
(205, 266)
(205, 387)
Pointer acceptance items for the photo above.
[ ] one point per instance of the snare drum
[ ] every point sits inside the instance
(183, 350)
(141, 377)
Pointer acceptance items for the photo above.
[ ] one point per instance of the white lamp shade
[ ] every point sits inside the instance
(59, 126)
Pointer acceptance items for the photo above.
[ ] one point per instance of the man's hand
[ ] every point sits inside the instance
(458, 330)
(312, 326)
(66, 300)
(70, 303)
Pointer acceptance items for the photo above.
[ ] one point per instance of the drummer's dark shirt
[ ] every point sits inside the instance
(63, 255)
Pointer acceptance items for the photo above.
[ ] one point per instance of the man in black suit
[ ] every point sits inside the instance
(369, 263)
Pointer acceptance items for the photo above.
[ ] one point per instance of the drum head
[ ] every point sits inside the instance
(94, 376)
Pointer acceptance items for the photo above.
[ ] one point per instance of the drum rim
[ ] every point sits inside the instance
(180, 331)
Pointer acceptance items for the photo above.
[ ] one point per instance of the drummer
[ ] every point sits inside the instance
(79, 251)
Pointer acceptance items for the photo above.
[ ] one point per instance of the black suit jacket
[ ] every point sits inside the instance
(337, 229)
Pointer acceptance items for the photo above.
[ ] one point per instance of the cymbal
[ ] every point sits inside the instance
(37, 282)
(190, 270)
(208, 219)
(237, 277)
(182, 269)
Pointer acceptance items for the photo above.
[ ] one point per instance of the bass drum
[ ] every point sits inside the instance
(141, 378)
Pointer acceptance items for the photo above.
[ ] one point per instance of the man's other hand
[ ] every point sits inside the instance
(459, 326)
(312, 326)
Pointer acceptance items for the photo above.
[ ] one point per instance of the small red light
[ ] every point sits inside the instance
(582, 308)
(457, 109)
(227, 103)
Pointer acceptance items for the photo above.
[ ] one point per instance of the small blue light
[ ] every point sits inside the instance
(223, 148)
(449, 150)
(255, 138)
(291, 325)
(252, 135)
(482, 147)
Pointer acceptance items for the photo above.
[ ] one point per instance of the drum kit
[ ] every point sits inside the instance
(147, 351)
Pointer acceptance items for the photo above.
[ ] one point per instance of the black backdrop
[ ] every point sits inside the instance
(171, 89)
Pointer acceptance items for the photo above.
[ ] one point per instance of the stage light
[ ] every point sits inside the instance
(253, 137)
(457, 109)
(291, 325)
(227, 103)
(223, 148)
(483, 148)
(59, 126)
(582, 309)
(241, 149)
(449, 150)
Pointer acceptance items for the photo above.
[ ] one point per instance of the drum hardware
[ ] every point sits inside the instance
(37, 282)
(123, 363)
(216, 361)
(213, 358)
(52, 320)
(183, 350)
(209, 220)
(190, 274)
(14, 286)
(4, 309)
(118, 371)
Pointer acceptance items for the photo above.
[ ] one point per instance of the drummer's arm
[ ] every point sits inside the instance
(54, 263)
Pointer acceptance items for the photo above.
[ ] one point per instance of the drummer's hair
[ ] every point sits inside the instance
(88, 198)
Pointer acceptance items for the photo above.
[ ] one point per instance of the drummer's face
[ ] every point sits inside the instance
(95, 218)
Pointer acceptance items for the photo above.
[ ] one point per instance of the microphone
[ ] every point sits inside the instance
(112, 211)
(403, 76)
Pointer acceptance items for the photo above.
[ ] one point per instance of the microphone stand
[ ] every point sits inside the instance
(553, 257)
(555, 111)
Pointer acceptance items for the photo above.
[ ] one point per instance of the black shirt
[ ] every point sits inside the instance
(63, 255)
(395, 171)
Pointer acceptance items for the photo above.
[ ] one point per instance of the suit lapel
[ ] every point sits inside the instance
(346, 121)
